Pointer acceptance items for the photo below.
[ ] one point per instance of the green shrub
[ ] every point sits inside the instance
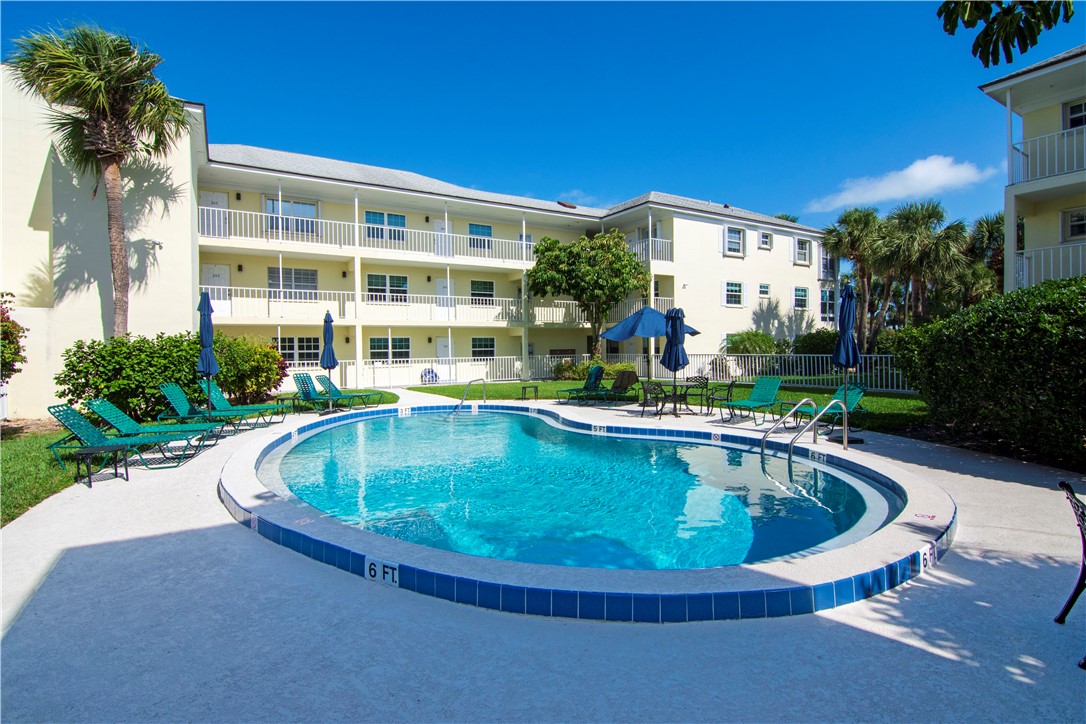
(249, 368)
(128, 370)
(751, 342)
(579, 370)
(820, 341)
(1010, 369)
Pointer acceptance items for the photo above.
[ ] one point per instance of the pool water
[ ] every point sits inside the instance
(517, 488)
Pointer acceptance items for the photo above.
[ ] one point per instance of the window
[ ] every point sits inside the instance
(1074, 224)
(295, 216)
(829, 266)
(386, 288)
(803, 251)
(1075, 114)
(525, 239)
(733, 294)
(376, 221)
(765, 240)
(401, 348)
(482, 347)
(734, 241)
(479, 236)
(298, 284)
(763, 290)
(482, 292)
(828, 305)
(298, 350)
(800, 298)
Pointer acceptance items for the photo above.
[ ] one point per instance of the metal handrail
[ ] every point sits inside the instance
(815, 419)
(456, 410)
(780, 422)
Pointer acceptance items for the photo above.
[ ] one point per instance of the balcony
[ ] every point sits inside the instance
(257, 303)
(1034, 266)
(344, 235)
(625, 309)
(1051, 155)
(651, 249)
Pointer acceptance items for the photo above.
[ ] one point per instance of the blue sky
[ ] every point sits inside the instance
(803, 108)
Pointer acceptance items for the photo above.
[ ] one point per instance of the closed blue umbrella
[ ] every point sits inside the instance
(674, 357)
(846, 353)
(328, 361)
(207, 366)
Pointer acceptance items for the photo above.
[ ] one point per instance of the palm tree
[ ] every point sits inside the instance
(106, 107)
(1006, 24)
(855, 236)
(925, 248)
(986, 240)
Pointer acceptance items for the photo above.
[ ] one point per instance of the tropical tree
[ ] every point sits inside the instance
(857, 237)
(597, 273)
(925, 249)
(1005, 24)
(107, 107)
(788, 217)
(986, 240)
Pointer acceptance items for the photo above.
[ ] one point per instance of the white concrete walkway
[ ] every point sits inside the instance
(143, 600)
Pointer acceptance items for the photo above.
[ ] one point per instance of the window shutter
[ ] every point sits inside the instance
(792, 250)
(743, 294)
(720, 240)
(723, 293)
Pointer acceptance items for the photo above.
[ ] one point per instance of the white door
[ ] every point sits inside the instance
(214, 219)
(444, 370)
(445, 304)
(217, 278)
(442, 240)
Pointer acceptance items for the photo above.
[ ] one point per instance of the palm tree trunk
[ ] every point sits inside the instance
(863, 308)
(118, 249)
(884, 309)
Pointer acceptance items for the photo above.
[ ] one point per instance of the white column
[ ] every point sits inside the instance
(356, 237)
(523, 238)
(357, 319)
(280, 300)
(1010, 142)
(1010, 241)
(279, 192)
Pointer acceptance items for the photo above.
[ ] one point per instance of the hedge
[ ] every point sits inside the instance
(1012, 370)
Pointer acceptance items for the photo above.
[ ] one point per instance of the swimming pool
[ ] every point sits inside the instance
(901, 549)
(521, 488)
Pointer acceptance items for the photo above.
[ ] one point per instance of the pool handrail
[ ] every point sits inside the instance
(456, 410)
(780, 422)
(814, 419)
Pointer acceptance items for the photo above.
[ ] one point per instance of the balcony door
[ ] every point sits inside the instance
(445, 302)
(217, 277)
(213, 214)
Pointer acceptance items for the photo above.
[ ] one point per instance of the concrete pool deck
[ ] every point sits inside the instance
(144, 600)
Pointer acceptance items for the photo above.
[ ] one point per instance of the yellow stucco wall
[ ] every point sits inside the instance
(55, 250)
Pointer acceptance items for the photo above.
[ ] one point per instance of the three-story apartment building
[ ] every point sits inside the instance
(425, 279)
(1046, 168)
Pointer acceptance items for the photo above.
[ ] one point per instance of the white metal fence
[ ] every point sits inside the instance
(877, 372)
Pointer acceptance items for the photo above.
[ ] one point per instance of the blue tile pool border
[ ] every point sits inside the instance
(602, 605)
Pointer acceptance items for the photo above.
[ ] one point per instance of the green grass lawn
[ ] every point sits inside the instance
(892, 413)
(28, 472)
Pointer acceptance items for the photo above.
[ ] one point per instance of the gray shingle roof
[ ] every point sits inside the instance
(317, 167)
(1054, 60)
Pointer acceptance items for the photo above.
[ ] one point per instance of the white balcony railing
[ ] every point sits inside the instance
(259, 303)
(1034, 266)
(625, 309)
(271, 228)
(1051, 155)
(651, 249)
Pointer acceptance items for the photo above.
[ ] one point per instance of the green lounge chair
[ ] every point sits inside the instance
(330, 389)
(833, 417)
(307, 392)
(265, 413)
(185, 410)
(762, 398)
(125, 425)
(87, 435)
(591, 386)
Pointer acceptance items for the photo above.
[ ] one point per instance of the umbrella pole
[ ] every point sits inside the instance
(844, 416)
(207, 379)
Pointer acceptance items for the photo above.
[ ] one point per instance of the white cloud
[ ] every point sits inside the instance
(923, 178)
